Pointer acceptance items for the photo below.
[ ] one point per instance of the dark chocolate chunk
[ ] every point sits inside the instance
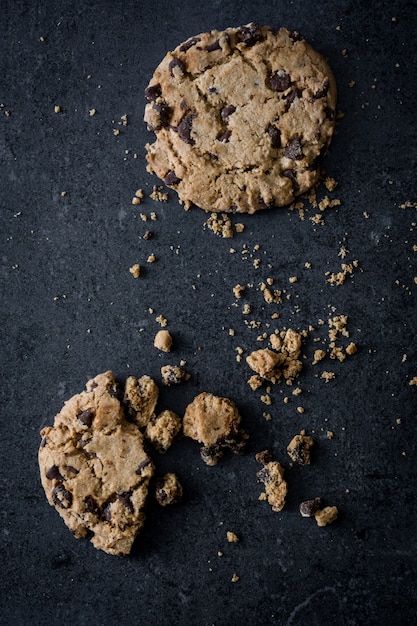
(295, 36)
(107, 512)
(250, 34)
(329, 113)
(54, 474)
(227, 110)
(86, 417)
(164, 114)
(91, 505)
(224, 137)
(290, 173)
(62, 497)
(143, 464)
(116, 391)
(280, 81)
(153, 92)
(215, 45)
(184, 129)
(309, 507)
(323, 91)
(293, 150)
(147, 234)
(124, 498)
(291, 96)
(171, 179)
(189, 44)
(176, 63)
(275, 135)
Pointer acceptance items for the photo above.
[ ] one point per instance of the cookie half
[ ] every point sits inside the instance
(241, 118)
(94, 468)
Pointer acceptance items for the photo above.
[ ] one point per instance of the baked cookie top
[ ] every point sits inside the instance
(241, 118)
(94, 468)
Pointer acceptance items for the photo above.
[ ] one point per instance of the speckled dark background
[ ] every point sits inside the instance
(70, 309)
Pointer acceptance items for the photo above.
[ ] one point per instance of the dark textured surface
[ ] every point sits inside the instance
(71, 309)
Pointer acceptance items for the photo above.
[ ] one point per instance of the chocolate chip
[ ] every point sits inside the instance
(93, 384)
(227, 110)
(323, 91)
(212, 90)
(263, 474)
(293, 150)
(295, 36)
(153, 92)
(171, 179)
(265, 205)
(147, 235)
(164, 114)
(275, 135)
(54, 474)
(143, 464)
(176, 63)
(250, 34)
(91, 505)
(215, 45)
(107, 512)
(291, 96)
(184, 129)
(62, 497)
(309, 507)
(44, 441)
(233, 208)
(280, 81)
(224, 137)
(124, 498)
(189, 44)
(293, 178)
(116, 391)
(184, 105)
(212, 156)
(329, 113)
(86, 418)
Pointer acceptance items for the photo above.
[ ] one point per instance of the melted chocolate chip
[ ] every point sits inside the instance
(164, 114)
(293, 150)
(184, 129)
(176, 63)
(189, 44)
(171, 179)
(323, 91)
(62, 497)
(124, 498)
(86, 418)
(54, 474)
(275, 135)
(153, 92)
(91, 505)
(250, 34)
(215, 45)
(117, 392)
(143, 464)
(293, 178)
(224, 137)
(279, 81)
(227, 110)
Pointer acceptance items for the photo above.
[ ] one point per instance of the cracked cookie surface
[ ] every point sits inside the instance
(241, 118)
(94, 468)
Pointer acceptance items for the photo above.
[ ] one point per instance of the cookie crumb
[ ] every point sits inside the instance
(168, 490)
(239, 228)
(162, 321)
(413, 381)
(299, 448)
(232, 537)
(328, 376)
(272, 476)
(326, 516)
(220, 225)
(235, 578)
(57, 108)
(151, 258)
(135, 270)
(173, 375)
(163, 341)
(158, 195)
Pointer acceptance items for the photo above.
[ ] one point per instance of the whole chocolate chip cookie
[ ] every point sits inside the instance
(241, 118)
(94, 468)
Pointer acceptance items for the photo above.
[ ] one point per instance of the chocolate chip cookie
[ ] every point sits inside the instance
(241, 118)
(94, 468)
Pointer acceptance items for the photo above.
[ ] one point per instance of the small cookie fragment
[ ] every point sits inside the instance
(232, 537)
(94, 468)
(272, 476)
(163, 341)
(173, 375)
(163, 429)
(310, 507)
(282, 362)
(140, 397)
(168, 490)
(326, 516)
(299, 448)
(214, 422)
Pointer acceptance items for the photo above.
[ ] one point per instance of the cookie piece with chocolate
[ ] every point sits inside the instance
(94, 467)
(241, 118)
(215, 423)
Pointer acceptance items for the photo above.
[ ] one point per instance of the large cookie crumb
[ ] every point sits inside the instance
(272, 476)
(214, 422)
